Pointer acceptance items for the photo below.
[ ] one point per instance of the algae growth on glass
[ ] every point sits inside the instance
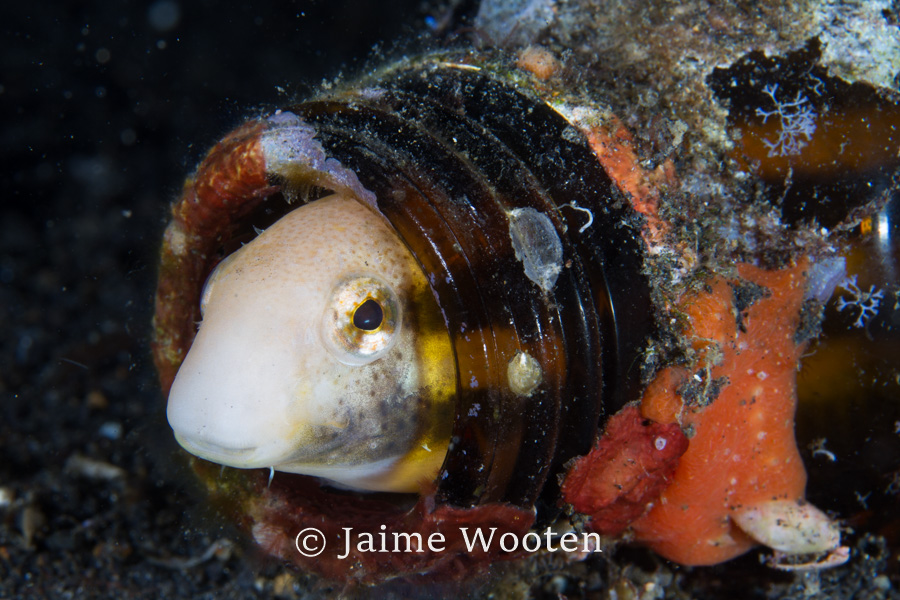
(602, 294)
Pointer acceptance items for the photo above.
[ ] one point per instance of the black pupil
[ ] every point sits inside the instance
(368, 316)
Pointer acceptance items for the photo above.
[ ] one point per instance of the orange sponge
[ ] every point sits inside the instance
(738, 405)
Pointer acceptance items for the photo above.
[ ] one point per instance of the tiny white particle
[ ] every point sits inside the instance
(660, 443)
(111, 430)
(6, 497)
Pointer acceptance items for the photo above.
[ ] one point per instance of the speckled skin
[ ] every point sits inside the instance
(259, 387)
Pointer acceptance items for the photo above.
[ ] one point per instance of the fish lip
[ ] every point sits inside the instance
(216, 453)
(254, 456)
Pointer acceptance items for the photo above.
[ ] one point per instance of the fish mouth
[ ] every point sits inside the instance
(239, 457)
(255, 456)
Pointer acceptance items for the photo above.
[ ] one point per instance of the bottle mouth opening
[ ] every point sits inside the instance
(474, 177)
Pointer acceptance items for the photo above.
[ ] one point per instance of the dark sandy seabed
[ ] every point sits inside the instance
(106, 107)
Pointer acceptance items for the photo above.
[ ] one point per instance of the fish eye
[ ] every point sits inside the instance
(368, 316)
(361, 319)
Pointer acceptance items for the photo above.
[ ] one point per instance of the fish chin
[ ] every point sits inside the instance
(374, 476)
(370, 477)
(239, 458)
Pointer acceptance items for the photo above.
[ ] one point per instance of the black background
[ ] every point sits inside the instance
(106, 107)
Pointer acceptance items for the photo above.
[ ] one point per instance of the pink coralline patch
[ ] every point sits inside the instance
(613, 145)
(631, 464)
(297, 503)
